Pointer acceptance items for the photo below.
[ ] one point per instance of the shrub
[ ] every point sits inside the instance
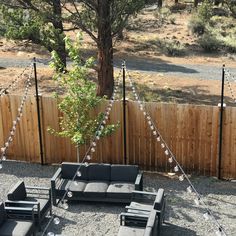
(171, 47)
(205, 11)
(230, 44)
(209, 42)
(162, 14)
(196, 25)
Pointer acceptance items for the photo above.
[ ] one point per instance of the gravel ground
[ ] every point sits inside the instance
(183, 217)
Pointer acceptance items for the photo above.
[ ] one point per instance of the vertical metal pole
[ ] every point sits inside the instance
(38, 113)
(124, 115)
(221, 122)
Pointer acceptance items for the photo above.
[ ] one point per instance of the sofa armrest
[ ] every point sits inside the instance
(159, 200)
(139, 182)
(40, 191)
(54, 179)
(20, 212)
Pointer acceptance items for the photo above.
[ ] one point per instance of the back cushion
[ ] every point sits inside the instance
(127, 173)
(69, 170)
(2, 213)
(18, 192)
(99, 172)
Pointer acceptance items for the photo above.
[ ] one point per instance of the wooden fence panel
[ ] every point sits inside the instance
(190, 131)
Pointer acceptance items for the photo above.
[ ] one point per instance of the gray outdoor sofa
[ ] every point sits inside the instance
(98, 182)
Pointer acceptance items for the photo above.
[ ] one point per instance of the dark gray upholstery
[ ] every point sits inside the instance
(124, 173)
(14, 227)
(18, 192)
(120, 189)
(98, 186)
(100, 172)
(3, 215)
(69, 170)
(96, 189)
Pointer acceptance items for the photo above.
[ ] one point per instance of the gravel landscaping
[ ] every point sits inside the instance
(183, 217)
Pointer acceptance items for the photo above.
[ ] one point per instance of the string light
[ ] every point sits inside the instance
(18, 117)
(92, 148)
(177, 167)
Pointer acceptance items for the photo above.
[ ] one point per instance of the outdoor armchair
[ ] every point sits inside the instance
(134, 224)
(27, 196)
(143, 203)
(13, 221)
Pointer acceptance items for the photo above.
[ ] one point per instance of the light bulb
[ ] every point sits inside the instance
(106, 117)
(102, 127)
(152, 127)
(170, 160)
(86, 164)
(3, 149)
(206, 216)
(10, 139)
(70, 194)
(148, 117)
(158, 139)
(181, 177)
(56, 221)
(78, 173)
(14, 122)
(154, 132)
(166, 152)
(88, 157)
(104, 122)
(189, 189)
(92, 149)
(65, 205)
(144, 113)
(97, 137)
(4, 157)
(94, 144)
(0, 166)
(162, 145)
(176, 168)
(50, 234)
(149, 122)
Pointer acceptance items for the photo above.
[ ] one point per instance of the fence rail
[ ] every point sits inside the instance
(191, 132)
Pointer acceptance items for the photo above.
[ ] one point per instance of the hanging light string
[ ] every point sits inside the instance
(87, 157)
(17, 120)
(171, 157)
(14, 82)
(229, 77)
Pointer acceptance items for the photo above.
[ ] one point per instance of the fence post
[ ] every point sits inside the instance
(221, 105)
(124, 114)
(38, 113)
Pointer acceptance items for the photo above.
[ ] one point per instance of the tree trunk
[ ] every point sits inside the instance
(58, 25)
(105, 50)
(176, 1)
(195, 3)
(159, 3)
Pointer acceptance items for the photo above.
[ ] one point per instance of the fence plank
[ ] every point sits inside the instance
(190, 131)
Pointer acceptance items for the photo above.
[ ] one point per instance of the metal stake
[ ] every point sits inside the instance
(38, 113)
(124, 115)
(221, 122)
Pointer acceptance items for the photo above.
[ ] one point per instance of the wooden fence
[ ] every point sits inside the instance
(190, 131)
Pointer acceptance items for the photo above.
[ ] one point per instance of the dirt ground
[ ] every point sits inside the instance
(138, 43)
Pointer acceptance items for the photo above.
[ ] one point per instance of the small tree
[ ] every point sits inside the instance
(77, 122)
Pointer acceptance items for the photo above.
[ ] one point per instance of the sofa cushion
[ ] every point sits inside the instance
(131, 231)
(120, 190)
(18, 192)
(77, 187)
(99, 172)
(96, 189)
(124, 173)
(16, 228)
(3, 215)
(69, 170)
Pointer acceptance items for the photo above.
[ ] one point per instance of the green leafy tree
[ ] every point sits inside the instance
(38, 21)
(78, 121)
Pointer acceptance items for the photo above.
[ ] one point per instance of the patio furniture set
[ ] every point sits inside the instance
(26, 207)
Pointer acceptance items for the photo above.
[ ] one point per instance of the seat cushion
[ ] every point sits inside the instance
(16, 228)
(130, 231)
(77, 187)
(96, 189)
(120, 190)
(69, 170)
(3, 215)
(124, 173)
(99, 172)
(18, 192)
